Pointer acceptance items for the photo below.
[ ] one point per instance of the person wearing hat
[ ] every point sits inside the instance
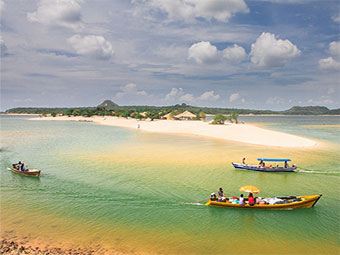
(213, 197)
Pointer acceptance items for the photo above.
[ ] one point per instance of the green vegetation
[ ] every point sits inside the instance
(219, 119)
(234, 116)
(156, 112)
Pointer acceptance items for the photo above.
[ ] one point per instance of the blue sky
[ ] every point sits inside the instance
(270, 54)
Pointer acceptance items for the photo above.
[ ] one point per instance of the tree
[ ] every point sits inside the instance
(219, 119)
(234, 116)
(75, 112)
(139, 116)
(53, 114)
(202, 116)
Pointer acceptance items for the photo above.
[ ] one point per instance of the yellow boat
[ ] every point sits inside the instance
(285, 203)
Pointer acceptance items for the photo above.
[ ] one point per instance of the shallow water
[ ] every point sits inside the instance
(136, 192)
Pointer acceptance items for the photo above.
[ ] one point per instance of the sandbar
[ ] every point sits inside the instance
(244, 133)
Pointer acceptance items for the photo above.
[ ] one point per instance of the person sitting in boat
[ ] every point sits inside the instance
(286, 164)
(251, 199)
(19, 166)
(23, 167)
(241, 200)
(213, 197)
(220, 193)
(222, 199)
(244, 161)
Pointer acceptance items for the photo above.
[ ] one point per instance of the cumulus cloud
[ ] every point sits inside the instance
(3, 47)
(336, 18)
(209, 96)
(178, 95)
(268, 51)
(187, 98)
(334, 49)
(329, 64)
(174, 93)
(62, 13)
(203, 52)
(130, 90)
(276, 100)
(190, 10)
(321, 101)
(92, 45)
(234, 54)
(234, 97)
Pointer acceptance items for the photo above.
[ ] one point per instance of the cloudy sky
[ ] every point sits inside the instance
(259, 54)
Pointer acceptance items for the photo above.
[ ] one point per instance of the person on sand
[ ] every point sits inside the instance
(241, 200)
(251, 199)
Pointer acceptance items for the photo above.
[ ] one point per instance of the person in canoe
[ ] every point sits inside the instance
(250, 199)
(244, 161)
(221, 195)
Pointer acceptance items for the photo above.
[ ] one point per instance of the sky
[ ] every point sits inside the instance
(254, 54)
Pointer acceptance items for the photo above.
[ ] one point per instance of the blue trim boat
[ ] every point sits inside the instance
(262, 167)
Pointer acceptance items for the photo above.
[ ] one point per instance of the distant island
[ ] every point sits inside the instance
(109, 108)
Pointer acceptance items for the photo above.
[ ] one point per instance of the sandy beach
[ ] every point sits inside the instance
(244, 133)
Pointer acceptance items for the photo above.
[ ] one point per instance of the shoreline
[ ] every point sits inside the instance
(244, 133)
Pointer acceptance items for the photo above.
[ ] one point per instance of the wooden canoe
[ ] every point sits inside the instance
(30, 172)
(304, 202)
(263, 169)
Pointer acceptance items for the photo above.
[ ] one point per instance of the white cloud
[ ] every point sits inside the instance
(330, 91)
(276, 100)
(329, 64)
(234, 54)
(334, 49)
(92, 45)
(336, 18)
(187, 98)
(203, 52)
(174, 93)
(3, 47)
(234, 97)
(321, 101)
(190, 10)
(267, 51)
(130, 90)
(209, 96)
(62, 13)
(178, 95)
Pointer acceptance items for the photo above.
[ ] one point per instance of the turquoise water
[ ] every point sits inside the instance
(129, 190)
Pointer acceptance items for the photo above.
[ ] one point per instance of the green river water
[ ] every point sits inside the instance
(135, 192)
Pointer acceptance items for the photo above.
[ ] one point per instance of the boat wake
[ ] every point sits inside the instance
(192, 204)
(306, 171)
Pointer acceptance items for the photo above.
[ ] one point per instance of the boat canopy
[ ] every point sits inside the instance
(272, 159)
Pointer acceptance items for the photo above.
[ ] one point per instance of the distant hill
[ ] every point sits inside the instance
(309, 110)
(107, 103)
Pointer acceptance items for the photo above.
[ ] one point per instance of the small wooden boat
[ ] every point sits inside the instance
(27, 172)
(273, 166)
(290, 202)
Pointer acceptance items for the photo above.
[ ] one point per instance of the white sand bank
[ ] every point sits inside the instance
(244, 133)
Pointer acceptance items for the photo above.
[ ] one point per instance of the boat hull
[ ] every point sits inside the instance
(306, 202)
(263, 169)
(27, 173)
